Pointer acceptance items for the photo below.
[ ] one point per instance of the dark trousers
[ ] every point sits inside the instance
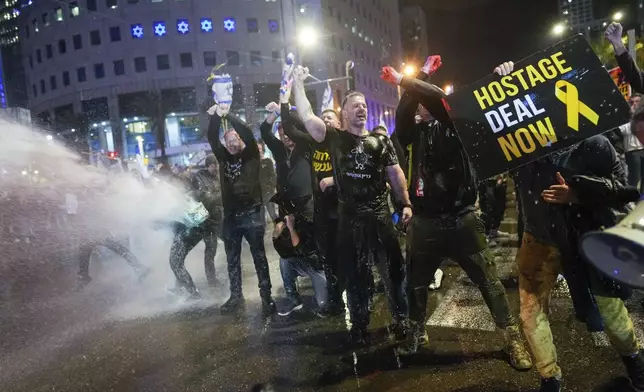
(462, 239)
(325, 230)
(117, 246)
(251, 226)
(185, 239)
(492, 198)
(635, 162)
(359, 237)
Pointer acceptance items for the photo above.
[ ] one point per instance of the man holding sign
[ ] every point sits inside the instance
(239, 167)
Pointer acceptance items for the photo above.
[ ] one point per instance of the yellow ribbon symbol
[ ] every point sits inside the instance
(574, 107)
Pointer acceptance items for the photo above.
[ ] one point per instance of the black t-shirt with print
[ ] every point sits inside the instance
(360, 164)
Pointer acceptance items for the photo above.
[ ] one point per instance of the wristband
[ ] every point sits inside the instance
(407, 206)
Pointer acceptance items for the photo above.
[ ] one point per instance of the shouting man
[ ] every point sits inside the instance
(362, 164)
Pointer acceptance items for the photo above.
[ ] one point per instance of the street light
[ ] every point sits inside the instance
(449, 88)
(308, 36)
(558, 29)
(49, 137)
(618, 15)
(409, 70)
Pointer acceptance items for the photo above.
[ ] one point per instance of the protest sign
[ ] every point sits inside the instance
(620, 80)
(552, 100)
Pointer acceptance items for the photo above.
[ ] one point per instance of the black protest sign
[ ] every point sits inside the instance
(552, 100)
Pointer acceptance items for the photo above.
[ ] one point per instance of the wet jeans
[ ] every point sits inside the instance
(251, 226)
(293, 267)
(539, 265)
(462, 239)
(325, 229)
(117, 246)
(184, 241)
(492, 198)
(359, 236)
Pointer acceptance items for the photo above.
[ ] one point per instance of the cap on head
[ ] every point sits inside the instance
(211, 160)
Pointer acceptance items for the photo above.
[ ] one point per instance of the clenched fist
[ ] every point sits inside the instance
(273, 107)
(614, 33)
(505, 68)
(390, 75)
(300, 74)
(432, 64)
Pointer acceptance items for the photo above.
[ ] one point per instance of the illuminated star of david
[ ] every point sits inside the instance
(159, 29)
(229, 25)
(137, 31)
(182, 27)
(206, 25)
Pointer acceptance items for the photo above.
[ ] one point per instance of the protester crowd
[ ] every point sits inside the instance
(339, 199)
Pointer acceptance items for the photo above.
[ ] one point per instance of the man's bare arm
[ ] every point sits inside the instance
(314, 125)
(396, 178)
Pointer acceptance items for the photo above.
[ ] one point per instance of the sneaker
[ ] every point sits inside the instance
(234, 304)
(498, 234)
(519, 357)
(550, 385)
(635, 370)
(292, 303)
(268, 306)
(416, 337)
(195, 296)
(325, 310)
(438, 279)
(397, 331)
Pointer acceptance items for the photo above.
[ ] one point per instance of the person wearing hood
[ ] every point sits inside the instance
(563, 196)
(445, 223)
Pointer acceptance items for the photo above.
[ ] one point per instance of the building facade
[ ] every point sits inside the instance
(413, 30)
(129, 65)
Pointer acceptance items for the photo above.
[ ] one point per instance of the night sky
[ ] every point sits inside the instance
(473, 36)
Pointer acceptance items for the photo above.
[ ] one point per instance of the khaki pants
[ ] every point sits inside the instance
(539, 265)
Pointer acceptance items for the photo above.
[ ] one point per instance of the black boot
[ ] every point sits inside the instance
(268, 305)
(234, 304)
(550, 385)
(292, 303)
(635, 370)
(359, 336)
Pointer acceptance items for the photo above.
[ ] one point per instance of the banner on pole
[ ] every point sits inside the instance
(553, 99)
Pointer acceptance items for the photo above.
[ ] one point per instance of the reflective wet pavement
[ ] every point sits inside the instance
(72, 346)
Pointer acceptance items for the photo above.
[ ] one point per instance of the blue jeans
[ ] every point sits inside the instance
(293, 267)
(251, 226)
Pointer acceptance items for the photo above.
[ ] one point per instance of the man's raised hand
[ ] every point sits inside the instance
(287, 78)
(222, 109)
(390, 75)
(505, 68)
(614, 33)
(300, 74)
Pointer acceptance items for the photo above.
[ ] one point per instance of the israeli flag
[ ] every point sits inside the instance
(327, 99)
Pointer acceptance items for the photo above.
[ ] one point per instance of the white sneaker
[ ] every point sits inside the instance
(438, 279)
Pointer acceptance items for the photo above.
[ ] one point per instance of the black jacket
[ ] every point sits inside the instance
(207, 190)
(631, 72)
(267, 179)
(239, 174)
(442, 180)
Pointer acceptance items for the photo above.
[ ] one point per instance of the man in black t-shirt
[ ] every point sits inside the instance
(362, 164)
(239, 164)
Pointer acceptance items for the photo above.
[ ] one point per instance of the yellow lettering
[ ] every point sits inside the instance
(509, 145)
(499, 94)
(559, 63)
(547, 69)
(525, 141)
(518, 75)
(482, 97)
(534, 75)
(511, 89)
(544, 134)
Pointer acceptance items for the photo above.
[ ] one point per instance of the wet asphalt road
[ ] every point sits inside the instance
(95, 341)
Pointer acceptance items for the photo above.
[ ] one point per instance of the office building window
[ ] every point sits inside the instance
(99, 71)
(45, 19)
(26, 31)
(62, 46)
(115, 33)
(38, 56)
(119, 67)
(49, 51)
(276, 56)
(232, 58)
(58, 14)
(251, 25)
(78, 41)
(273, 26)
(140, 65)
(111, 4)
(91, 5)
(81, 75)
(34, 90)
(31, 61)
(132, 1)
(186, 60)
(210, 58)
(66, 78)
(95, 37)
(35, 25)
(163, 62)
(42, 86)
(52, 82)
(74, 11)
(255, 57)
